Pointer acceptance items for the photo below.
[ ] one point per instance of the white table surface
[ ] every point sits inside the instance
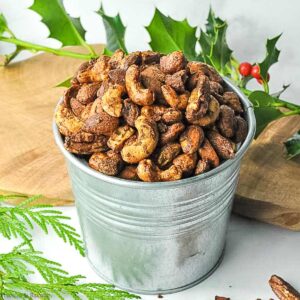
(254, 250)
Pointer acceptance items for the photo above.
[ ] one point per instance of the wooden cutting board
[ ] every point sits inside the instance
(30, 163)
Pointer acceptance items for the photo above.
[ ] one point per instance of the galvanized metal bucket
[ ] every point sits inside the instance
(155, 237)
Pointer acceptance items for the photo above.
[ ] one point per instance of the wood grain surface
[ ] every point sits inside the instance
(30, 163)
(269, 186)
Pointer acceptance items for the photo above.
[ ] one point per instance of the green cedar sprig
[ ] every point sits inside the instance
(18, 265)
(17, 221)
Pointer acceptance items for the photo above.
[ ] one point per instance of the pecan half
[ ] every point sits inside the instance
(282, 289)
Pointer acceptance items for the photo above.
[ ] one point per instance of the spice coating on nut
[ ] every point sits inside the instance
(191, 139)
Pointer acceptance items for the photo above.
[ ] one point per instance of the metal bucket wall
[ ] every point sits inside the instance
(155, 237)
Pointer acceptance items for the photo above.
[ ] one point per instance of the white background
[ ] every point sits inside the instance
(254, 251)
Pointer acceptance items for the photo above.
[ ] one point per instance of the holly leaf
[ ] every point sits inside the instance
(265, 110)
(168, 35)
(206, 44)
(115, 32)
(212, 22)
(65, 83)
(215, 50)
(272, 54)
(220, 53)
(292, 145)
(61, 26)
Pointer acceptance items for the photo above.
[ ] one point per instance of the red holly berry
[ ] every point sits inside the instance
(255, 72)
(260, 81)
(245, 69)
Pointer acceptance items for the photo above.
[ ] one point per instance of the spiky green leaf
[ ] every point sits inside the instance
(62, 27)
(168, 35)
(65, 83)
(265, 109)
(215, 50)
(272, 54)
(206, 43)
(115, 31)
(212, 22)
(220, 52)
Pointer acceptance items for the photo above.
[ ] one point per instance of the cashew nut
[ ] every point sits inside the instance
(129, 173)
(176, 101)
(95, 71)
(227, 121)
(153, 112)
(160, 112)
(177, 81)
(202, 167)
(215, 87)
(76, 107)
(144, 144)
(167, 153)
(116, 59)
(153, 78)
(83, 137)
(186, 163)
(117, 76)
(88, 92)
(171, 116)
(135, 90)
(148, 171)
(119, 137)
(130, 112)
(172, 62)
(198, 102)
(109, 163)
(191, 139)
(211, 115)
(112, 102)
(98, 145)
(134, 58)
(86, 112)
(69, 94)
(100, 122)
(232, 100)
(67, 123)
(171, 134)
(150, 57)
(241, 129)
(195, 67)
(208, 153)
(221, 144)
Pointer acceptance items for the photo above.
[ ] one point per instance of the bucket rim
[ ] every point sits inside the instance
(72, 158)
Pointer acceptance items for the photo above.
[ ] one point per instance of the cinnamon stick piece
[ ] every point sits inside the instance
(282, 289)
(221, 298)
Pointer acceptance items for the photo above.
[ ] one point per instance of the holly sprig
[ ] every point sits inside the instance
(166, 35)
(23, 261)
(293, 145)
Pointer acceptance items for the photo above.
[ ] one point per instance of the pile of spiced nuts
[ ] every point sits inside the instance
(150, 117)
